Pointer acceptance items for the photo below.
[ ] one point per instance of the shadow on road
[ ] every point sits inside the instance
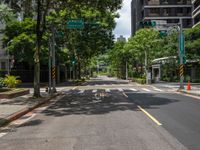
(89, 105)
(148, 100)
(31, 123)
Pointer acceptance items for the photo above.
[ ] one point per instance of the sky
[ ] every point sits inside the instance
(124, 22)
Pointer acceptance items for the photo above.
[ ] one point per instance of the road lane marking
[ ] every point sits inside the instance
(156, 89)
(2, 134)
(125, 95)
(150, 116)
(75, 88)
(144, 89)
(107, 90)
(133, 90)
(121, 90)
(94, 91)
(81, 91)
(22, 121)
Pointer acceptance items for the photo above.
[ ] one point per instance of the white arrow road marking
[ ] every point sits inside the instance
(147, 90)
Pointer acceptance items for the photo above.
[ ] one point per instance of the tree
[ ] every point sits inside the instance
(193, 43)
(6, 14)
(118, 57)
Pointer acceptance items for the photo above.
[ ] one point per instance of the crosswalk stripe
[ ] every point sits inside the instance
(107, 90)
(147, 90)
(121, 90)
(81, 91)
(94, 91)
(133, 90)
(156, 89)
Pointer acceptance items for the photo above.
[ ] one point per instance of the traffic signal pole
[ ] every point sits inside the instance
(50, 60)
(181, 54)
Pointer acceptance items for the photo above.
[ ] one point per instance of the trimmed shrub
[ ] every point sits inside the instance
(139, 80)
(11, 81)
(2, 84)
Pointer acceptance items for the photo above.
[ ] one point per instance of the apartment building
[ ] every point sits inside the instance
(169, 11)
(196, 12)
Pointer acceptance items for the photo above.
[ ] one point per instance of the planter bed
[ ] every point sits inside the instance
(11, 93)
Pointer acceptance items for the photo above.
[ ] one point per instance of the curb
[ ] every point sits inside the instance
(185, 92)
(17, 115)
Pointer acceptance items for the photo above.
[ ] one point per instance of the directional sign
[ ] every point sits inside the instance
(75, 24)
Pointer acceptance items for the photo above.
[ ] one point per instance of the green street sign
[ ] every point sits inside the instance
(148, 24)
(75, 24)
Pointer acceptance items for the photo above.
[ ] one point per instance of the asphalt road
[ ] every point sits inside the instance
(109, 114)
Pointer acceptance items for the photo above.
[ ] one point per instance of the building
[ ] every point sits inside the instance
(196, 12)
(4, 56)
(171, 11)
(121, 39)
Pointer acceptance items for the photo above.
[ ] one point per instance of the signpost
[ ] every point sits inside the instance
(75, 24)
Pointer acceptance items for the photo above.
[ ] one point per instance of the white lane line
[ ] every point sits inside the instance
(149, 115)
(134, 90)
(125, 95)
(2, 134)
(144, 89)
(107, 90)
(156, 89)
(121, 90)
(81, 91)
(94, 91)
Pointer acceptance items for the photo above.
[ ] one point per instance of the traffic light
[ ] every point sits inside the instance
(144, 24)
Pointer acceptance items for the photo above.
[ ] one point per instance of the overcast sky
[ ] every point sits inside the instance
(124, 22)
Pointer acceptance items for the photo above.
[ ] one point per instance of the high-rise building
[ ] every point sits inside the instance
(121, 39)
(170, 11)
(196, 12)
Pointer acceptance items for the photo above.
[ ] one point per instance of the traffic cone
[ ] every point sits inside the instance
(188, 86)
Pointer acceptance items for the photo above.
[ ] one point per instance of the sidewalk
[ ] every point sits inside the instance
(11, 109)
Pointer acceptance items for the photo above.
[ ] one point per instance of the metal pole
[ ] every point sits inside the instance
(126, 70)
(53, 61)
(180, 55)
(73, 72)
(146, 69)
(70, 75)
(8, 62)
(50, 59)
(8, 54)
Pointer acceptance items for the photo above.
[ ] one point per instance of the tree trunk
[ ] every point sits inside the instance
(37, 54)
